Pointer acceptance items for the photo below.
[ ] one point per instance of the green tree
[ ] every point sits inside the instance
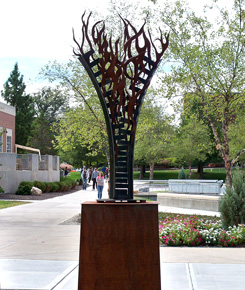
(84, 123)
(193, 143)
(81, 136)
(232, 205)
(237, 138)
(41, 135)
(207, 64)
(50, 104)
(153, 135)
(14, 95)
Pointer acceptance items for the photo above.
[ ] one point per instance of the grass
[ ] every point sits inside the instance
(75, 175)
(5, 204)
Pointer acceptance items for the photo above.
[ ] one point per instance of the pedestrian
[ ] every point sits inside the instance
(106, 173)
(90, 171)
(84, 177)
(66, 172)
(94, 176)
(103, 169)
(100, 184)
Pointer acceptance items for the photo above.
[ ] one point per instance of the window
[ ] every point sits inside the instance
(9, 140)
(9, 144)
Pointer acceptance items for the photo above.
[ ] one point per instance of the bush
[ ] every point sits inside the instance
(24, 188)
(48, 187)
(39, 184)
(182, 174)
(232, 205)
(55, 186)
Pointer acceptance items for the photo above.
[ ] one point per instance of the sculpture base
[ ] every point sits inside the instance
(120, 200)
(119, 246)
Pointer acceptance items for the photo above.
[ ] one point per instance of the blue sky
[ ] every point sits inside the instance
(33, 33)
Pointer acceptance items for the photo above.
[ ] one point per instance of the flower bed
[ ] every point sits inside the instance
(191, 231)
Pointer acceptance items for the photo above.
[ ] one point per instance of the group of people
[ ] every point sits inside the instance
(97, 178)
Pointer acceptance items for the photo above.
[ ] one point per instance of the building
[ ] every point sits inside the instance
(14, 167)
(7, 128)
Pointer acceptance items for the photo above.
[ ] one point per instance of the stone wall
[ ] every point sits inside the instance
(11, 177)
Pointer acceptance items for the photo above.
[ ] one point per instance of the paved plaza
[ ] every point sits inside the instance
(39, 249)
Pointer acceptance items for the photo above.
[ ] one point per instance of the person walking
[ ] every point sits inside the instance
(100, 184)
(103, 170)
(84, 177)
(90, 171)
(94, 176)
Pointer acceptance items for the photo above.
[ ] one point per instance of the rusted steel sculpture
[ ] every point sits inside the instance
(121, 79)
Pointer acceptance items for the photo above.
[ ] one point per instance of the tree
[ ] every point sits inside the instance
(50, 104)
(85, 122)
(80, 135)
(237, 138)
(207, 64)
(232, 205)
(153, 135)
(193, 143)
(14, 95)
(41, 135)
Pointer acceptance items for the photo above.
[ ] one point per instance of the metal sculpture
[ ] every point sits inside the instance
(121, 79)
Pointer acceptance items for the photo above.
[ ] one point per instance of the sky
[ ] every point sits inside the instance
(33, 33)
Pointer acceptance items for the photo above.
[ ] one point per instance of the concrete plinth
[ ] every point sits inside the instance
(191, 201)
(119, 246)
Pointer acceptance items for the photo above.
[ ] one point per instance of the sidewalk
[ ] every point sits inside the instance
(39, 251)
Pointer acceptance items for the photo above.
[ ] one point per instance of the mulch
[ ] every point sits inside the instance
(43, 196)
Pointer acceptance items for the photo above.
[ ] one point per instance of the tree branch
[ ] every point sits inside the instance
(237, 156)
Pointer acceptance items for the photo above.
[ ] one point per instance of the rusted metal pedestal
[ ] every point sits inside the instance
(119, 246)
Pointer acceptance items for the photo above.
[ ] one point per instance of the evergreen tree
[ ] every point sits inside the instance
(41, 135)
(232, 205)
(14, 95)
(182, 174)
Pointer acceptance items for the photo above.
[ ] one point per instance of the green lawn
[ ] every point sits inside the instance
(75, 175)
(5, 204)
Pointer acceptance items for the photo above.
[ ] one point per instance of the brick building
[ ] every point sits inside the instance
(7, 127)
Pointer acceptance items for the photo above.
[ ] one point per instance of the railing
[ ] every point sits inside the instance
(152, 185)
(23, 162)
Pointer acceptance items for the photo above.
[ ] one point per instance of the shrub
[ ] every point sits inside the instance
(39, 184)
(24, 188)
(1, 190)
(62, 186)
(55, 186)
(48, 187)
(232, 205)
(182, 174)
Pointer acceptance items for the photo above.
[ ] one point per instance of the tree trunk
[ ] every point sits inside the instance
(200, 169)
(189, 170)
(151, 171)
(142, 172)
(228, 172)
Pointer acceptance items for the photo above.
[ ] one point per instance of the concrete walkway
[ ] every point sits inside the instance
(39, 251)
